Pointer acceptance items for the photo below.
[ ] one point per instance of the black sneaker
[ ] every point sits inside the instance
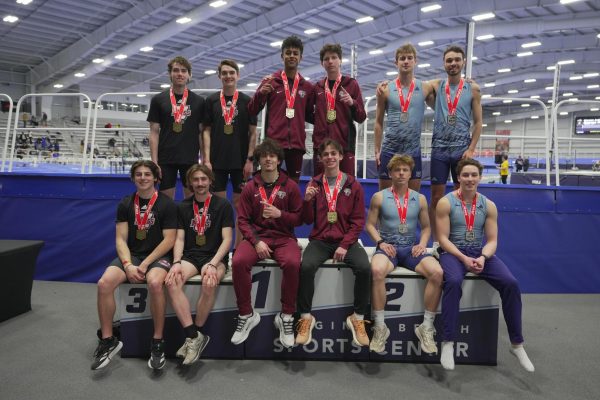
(105, 351)
(157, 354)
(116, 330)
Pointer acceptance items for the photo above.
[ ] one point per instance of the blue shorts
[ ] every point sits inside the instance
(443, 163)
(404, 257)
(385, 158)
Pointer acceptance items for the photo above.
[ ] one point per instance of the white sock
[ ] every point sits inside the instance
(428, 319)
(379, 317)
(435, 245)
(246, 316)
(519, 352)
(305, 315)
(287, 317)
(447, 357)
(359, 317)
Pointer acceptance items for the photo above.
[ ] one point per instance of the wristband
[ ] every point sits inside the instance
(176, 262)
(379, 242)
(212, 265)
(486, 257)
(125, 263)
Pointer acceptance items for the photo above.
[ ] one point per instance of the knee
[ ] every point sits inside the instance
(436, 277)
(512, 285)
(155, 286)
(291, 266)
(308, 268)
(106, 286)
(208, 292)
(452, 281)
(378, 273)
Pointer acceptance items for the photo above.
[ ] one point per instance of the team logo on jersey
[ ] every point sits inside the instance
(347, 192)
(186, 112)
(195, 221)
(281, 194)
(301, 93)
(151, 219)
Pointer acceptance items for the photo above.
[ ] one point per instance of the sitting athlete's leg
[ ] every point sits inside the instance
(177, 297)
(381, 266)
(244, 258)
(287, 254)
(357, 259)
(208, 295)
(108, 283)
(454, 273)
(155, 278)
(314, 255)
(431, 269)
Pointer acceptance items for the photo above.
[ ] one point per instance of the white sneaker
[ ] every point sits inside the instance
(524, 360)
(426, 338)
(181, 353)
(379, 339)
(244, 326)
(195, 347)
(286, 330)
(447, 357)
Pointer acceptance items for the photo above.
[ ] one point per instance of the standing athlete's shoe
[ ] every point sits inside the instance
(157, 354)
(106, 350)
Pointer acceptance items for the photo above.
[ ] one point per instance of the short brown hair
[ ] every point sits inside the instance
(332, 143)
(268, 146)
(195, 168)
(455, 49)
(229, 63)
(468, 161)
(144, 163)
(331, 48)
(180, 60)
(399, 159)
(406, 49)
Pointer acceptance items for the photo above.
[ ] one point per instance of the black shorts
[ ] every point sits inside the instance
(199, 261)
(162, 262)
(223, 175)
(169, 175)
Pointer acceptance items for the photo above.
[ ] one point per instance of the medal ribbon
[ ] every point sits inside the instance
(402, 208)
(201, 224)
(263, 194)
(404, 105)
(469, 217)
(141, 222)
(178, 109)
(453, 104)
(330, 94)
(332, 199)
(290, 98)
(228, 112)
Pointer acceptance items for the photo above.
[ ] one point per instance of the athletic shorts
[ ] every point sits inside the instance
(441, 165)
(385, 158)
(162, 262)
(222, 176)
(169, 175)
(200, 261)
(404, 257)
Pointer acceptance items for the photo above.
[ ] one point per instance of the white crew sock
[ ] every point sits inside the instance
(428, 319)
(305, 315)
(287, 317)
(519, 352)
(447, 357)
(379, 317)
(359, 317)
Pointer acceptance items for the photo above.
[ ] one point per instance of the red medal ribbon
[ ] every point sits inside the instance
(201, 222)
(402, 208)
(290, 98)
(404, 105)
(469, 217)
(452, 104)
(178, 109)
(228, 113)
(141, 222)
(263, 194)
(332, 199)
(330, 94)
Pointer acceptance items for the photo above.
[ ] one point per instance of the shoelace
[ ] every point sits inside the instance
(429, 338)
(103, 347)
(359, 325)
(288, 326)
(303, 326)
(240, 324)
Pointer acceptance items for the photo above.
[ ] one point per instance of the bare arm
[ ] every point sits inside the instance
(424, 221)
(442, 219)
(429, 91)
(122, 231)
(378, 128)
(206, 147)
(153, 138)
(179, 245)
(227, 238)
(491, 230)
(373, 217)
(477, 121)
(248, 166)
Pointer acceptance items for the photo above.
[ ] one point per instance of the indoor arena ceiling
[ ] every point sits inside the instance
(54, 42)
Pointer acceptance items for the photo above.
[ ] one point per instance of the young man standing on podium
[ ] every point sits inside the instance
(175, 118)
(204, 235)
(334, 202)
(270, 208)
(397, 210)
(465, 218)
(146, 228)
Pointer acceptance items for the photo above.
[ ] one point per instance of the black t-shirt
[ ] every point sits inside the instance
(162, 216)
(220, 215)
(182, 147)
(228, 151)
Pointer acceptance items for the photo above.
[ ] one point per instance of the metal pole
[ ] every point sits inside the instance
(470, 40)
(10, 112)
(554, 131)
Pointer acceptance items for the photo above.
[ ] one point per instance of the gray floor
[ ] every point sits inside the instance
(46, 354)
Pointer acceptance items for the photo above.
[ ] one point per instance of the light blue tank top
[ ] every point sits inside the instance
(458, 135)
(458, 226)
(389, 221)
(404, 137)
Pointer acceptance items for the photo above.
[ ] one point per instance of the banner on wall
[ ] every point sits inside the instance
(333, 299)
(502, 145)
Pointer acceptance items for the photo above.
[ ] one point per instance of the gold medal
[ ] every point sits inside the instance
(177, 127)
(289, 112)
(140, 234)
(330, 116)
(332, 217)
(200, 240)
(228, 129)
